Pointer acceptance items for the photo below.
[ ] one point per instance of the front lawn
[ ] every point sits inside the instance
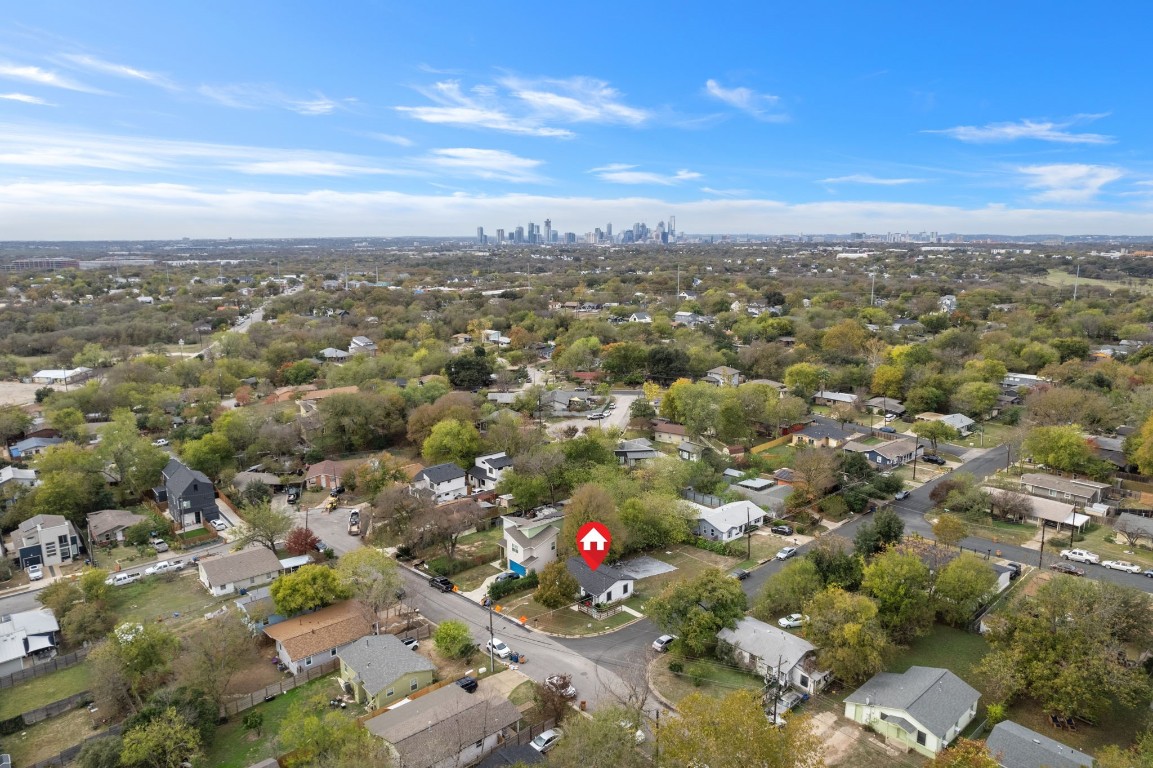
(168, 598)
(1100, 539)
(707, 676)
(35, 693)
(562, 621)
(945, 647)
(689, 562)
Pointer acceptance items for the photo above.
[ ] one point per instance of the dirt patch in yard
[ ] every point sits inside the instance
(17, 393)
(256, 676)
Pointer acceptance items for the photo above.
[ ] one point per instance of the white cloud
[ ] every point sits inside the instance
(308, 167)
(258, 96)
(725, 192)
(101, 66)
(25, 98)
(1038, 130)
(529, 107)
(763, 106)
(31, 74)
(865, 178)
(484, 164)
(622, 173)
(388, 138)
(1068, 182)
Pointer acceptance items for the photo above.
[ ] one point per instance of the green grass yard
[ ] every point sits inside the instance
(160, 598)
(707, 676)
(947, 647)
(45, 690)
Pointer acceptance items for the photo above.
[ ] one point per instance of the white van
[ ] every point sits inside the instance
(120, 579)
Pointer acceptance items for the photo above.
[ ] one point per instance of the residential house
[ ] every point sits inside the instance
(893, 453)
(326, 474)
(781, 388)
(488, 470)
(785, 476)
(640, 317)
(690, 319)
(314, 638)
(1110, 449)
(381, 670)
(1047, 511)
(606, 584)
(1023, 380)
(958, 421)
(727, 522)
(445, 728)
(334, 355)
(13, 477)
(1015, 746)
(190, 494)
(46, 540)
(884, 405)
(947, 303)
(529, 544)
(460, 339)
(362, 345)
(1079, 492)
(258, 608)
(26, 638)
(63, 377)
(108, 525)
(904, 324)
(226, 574)
(825, 436)
(445, 482)
(824, 397)
(723, 376)
(923, 709)
(243, 479)
(690, 451)
(774, 654)
(632, 452)
(32, 446)
(503, 398)
(667, 432)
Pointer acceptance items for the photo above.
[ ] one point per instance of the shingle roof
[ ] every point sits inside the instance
(935, 698)
(178, 476)
(8, 474)
(45, 521)
(595, 582)
(380, 660)
(732, 515)
(327, 628)
(767, 642)
(1015, 746)
(512, 754)
(441, 473)
(106, 520)
(35, 442)
(242, 565)
(823, 431)
(1062, 484)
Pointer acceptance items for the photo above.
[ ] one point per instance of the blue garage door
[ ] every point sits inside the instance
(517, 568)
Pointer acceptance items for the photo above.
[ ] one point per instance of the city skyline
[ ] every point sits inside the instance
(368, 120)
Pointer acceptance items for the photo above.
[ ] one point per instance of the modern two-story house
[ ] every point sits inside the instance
(46, 540)
(488, 470)
(445, 482)
(190, 495)
(530, 544)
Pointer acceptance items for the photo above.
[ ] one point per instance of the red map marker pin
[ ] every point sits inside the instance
(593, 540)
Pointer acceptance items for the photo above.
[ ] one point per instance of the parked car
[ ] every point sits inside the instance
(792, 621)
(468, 683)
(596, 416)
(930, 458)
(781, 530)
(1014, 570)
(901, 495)
(1080, 556)
(560, 684)
(887, 430)
(218, 524)
(320, 545)
(784, 553)
(1068, 568)
(498, 648)
(293, 497)
(1148, 573)
(164, 566)
(740, 574)
(35, 572)
(1121, 565)
(890, 417)
(507, 576)
(546, 740)
(337, 491)
(159, 544)
(120, 579)
(442, 583)
(160, 442)
(410, 643)
(663, 642)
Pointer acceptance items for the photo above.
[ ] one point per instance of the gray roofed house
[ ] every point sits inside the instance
(512, 754)
(892, 453)
(1015, 746)
(826, 397)
(27, 637)
(445, 482)
(190, 494)
(108, 525)
(362, 345)
(923, 708)
(45, 540)
(632, 452)
(25, 477)
(1081, 492)
(771, 651)
(723, 376)
(332, 353)
(258, 608)
(825, 436)
(604, 585)
(32, 446)
(247, 568)
(530, 544)
(446, 728)
(885, 405)
(383, 671)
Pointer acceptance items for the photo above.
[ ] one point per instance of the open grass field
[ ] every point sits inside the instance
(709, 677)
(45, 690)
(689, 562)
(562, 621)
(947, 647)
(1060, 279)
(175, 599)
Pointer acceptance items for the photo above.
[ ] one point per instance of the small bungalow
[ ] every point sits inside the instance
(824, 397)
(606, 584)
(333, 355)
(668, 432)
(32, 446)
(1015, 746)
(632, 452)
(362, 345)
(1079, 492)
(239, 571)
(690, 451)
(923, 708)
(894, 453)
(727, 522)
(63, 377)
(723, 376)
(825, 436)
(773, 653)
(884, 405)
(16, 477)
(108, 525)
(325, 474)
(381, 670)
(314, 638)
(26, 638)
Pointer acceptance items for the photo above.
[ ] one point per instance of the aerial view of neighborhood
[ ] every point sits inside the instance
(494, 385)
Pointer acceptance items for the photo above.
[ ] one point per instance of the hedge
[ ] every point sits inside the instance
(499, 589)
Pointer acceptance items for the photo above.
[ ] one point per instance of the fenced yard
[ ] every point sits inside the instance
(45, 689)
(40, 670)
(238, 704)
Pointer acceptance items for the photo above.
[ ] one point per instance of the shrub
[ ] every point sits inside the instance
(453, 639)
(499, 589)
(676, 667)
(719, 547)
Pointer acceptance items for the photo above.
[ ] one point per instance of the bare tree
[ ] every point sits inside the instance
(1130, 531)
(1011, 505)
(817, 468)
(446, 523)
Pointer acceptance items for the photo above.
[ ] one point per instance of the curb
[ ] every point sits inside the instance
(593, 634)
(652, 689)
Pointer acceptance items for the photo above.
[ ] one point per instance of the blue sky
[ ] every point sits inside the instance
(263, 119)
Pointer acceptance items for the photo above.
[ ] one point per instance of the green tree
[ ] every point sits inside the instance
(137, 462)
(696, 610)
(143, 654)
(314, 734)
(14, 420)
(454, 441)
(453, 639)
(836, 563)
(70, 483)
(803, 379)
(975, 398)
(890, 526)
(949, 530)
(1060, 447)
(899, 583)
(87, 622)
(69, 422)
(309, 588)
(845, 627)
(360, 421)
(373, 578)
(733, 732)
(214, 653)
(934, 432)
(93, 586)
(787, 590)
(210, 454)
(963, 586)
(60, 597)
(589, 503)
(167, 741)
(264, 526)
(964, 753)
(667, 364)
(100, 753)
(469, 371)
(599, 742)
(557, 587)
(888, 381)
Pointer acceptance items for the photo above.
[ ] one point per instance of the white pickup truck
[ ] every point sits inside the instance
(1080, 556)
(164, 566)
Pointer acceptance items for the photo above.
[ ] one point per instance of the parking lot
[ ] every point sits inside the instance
(330, 527)
(618, 417)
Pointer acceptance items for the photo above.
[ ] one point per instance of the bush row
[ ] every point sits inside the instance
(499, 589)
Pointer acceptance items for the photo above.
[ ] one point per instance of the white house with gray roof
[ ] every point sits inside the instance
(446, 482)
(530, 543)
(382, 671)
(771, 652)
(232, 573)
(26, 638)
(726, 522)
(924, 708)
(606, 584)
(1015, 746)
(488, 470)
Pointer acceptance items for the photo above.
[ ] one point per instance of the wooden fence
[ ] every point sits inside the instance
(599, 615)
(68, 755)
(57, 707)
(249, 700)
(44, 668)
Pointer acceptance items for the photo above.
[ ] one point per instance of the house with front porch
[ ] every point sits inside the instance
(606, 584)
(775, 654)
(108, 525)
(529, 544)
(824, 397)
(888, 454)
(923, 708)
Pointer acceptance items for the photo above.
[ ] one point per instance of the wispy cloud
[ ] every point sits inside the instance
(725, 192)
(310, 167)
(762, 106)
(1068, 183)
(494, 164)
(32, 74)
(388, 138)
(100, 66)
(529, 107)
(25, 98)
(1036, 130)
(622, 173)
(260, 96)
(865, 178)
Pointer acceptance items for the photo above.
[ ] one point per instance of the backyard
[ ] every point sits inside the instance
(49, 737)
(173, 599)
(35, 693)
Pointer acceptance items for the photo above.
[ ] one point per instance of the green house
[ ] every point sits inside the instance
(381, 671)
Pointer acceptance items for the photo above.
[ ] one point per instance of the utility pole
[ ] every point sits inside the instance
(872, 292)
(1076, 280)
(748, 533)
(491, 661)
(777, 682)
(1041, 552)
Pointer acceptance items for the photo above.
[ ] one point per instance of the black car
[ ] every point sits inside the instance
(468, 683)
(1014, 570)
(740, 574)
(782, 530)
(933, 459)
(336, 491)
(507, 576)
(293, 497)
(320, 545)
(442, 583)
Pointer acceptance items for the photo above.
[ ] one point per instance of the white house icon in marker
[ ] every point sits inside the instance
(593, 540)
